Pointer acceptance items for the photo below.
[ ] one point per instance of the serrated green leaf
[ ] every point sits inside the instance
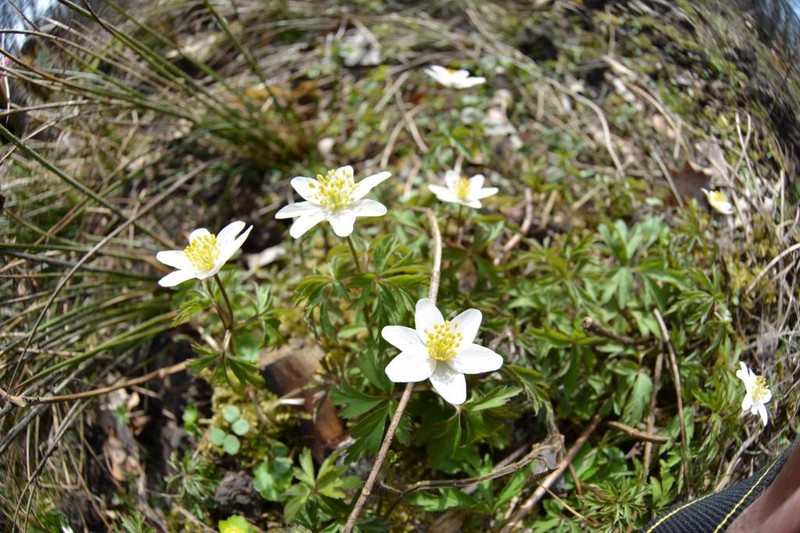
(354, 403)
(638, 400)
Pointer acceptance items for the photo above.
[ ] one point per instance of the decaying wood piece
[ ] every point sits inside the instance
(292, 367)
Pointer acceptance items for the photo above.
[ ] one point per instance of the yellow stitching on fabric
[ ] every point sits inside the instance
(744, 497)
(698, 500)
(679, 509)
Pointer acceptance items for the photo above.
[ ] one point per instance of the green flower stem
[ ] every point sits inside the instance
(433, 291)
(227, 321)
(367, 317)
(355, 254)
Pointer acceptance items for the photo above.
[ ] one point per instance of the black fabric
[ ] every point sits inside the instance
(715, 512)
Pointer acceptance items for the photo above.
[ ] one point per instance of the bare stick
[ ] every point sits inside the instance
(433, 292)
(24, 401)
(676, 377)
(651, 415)
(593, 327)
(551, 478)
(637, 434)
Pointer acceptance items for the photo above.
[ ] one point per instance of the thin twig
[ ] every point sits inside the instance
(793, 248)
(433, 292)
(514, 241)
(24, 401)
(554, 442)
(551, 478)
(651, 415)
(726, 477)
(593, 327)
(636, 433)
(676, 378)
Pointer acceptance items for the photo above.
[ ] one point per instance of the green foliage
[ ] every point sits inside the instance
(273, 477)
(316, 498)
(238, 425)
(235, 524)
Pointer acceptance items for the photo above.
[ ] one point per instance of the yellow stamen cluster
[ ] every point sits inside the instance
(717, 196)
(443, 341)
(335, 189)
(203, 252)
(760, 389)
(461, 188)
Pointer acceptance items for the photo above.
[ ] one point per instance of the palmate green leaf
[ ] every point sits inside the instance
(497, 397)
(532, 382)
(486, 417)
(368, 432)
(445, 441)
(441, 500)
(354, 403)
(190, 308)
(638, 399)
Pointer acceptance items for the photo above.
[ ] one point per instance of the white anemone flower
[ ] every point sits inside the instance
(205, 255)
(334, 197)
(718, 201)
(757, 394)
(453, 78)
(463, 191)
(440, 350)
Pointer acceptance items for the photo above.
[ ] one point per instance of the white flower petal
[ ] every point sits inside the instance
(200, 232)
(747, 403)
(476, 183)
(342, 222)
(305, 187)
(205, 274)
(451, 385)
(297, 209)
(475, 359)
(175, 259)
(444, 194)
(368, 208)
(229, 232)
(368, 183)
(484, 193)
(467, 323)
(470, 82)
(410, 367)
(767, 396)
(763, 412)
(474, 204)
(426, 315)
(403, 338)
(305, 223)
(175, 278)
(450, 178)
(228, 248)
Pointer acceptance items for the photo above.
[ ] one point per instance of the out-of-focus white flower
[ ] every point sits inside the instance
(358, 49)
(718, 201)
(463, 191)
(205, 255)
(334, 197)
(757, 394)
(453, 78)
(440, 350)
